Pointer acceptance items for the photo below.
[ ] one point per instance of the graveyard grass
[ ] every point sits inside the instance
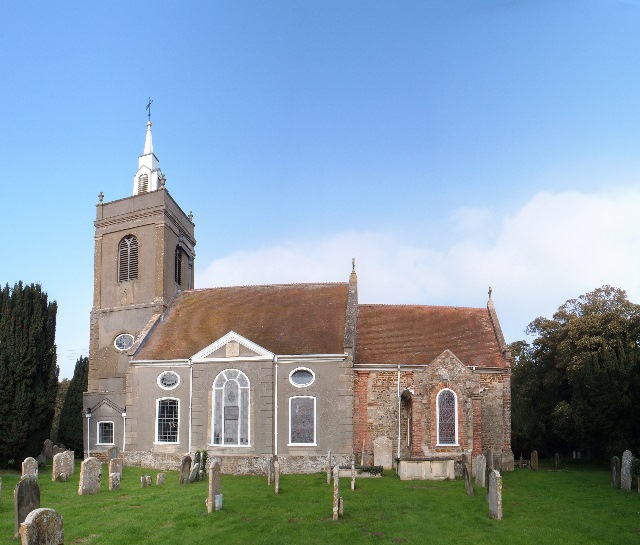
(574, 505)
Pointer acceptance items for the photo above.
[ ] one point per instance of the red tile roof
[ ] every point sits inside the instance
(284, 319)
(407, 334)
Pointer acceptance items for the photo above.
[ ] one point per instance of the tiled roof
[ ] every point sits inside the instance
(406, 334)
(284, 319)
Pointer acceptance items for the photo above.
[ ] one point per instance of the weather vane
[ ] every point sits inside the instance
(149, 108)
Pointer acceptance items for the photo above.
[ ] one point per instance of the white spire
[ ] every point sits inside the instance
(148, 143)
(148, 177)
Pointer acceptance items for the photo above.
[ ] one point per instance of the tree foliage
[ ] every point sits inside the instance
(70, 428)
(28, 370)
(576, 386)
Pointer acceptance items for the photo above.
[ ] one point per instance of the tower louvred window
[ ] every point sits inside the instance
(128, 259)
(178, 266)
(143, 183)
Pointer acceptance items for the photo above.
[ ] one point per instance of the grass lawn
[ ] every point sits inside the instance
(577, 506)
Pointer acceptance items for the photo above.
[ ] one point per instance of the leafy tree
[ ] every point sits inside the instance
(70, 428)
(28, 370)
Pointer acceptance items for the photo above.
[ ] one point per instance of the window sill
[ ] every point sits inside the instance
(228, 446)
(166, 443)
(447, 444)
(302, 444)
(105, 444)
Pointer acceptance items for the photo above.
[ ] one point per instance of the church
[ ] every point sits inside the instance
(291, 370)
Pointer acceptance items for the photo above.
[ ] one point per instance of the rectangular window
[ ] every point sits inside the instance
(105, 433)
(167, 421)
(302, 420)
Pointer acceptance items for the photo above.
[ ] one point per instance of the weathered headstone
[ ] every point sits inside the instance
(114, 452)
(353, 474)
(488, 456)
(625, 470)
(185, 469)
(329, 467)
(466, 474)
(26, 498)
(276, 476)
(270, 471)
(62, 463)
(114, 481)
(336, 492)
(42, 527)
(30, 467)
(159, 479)
(214, 489)
(495, 496)
(383, 452)
(557, 461)
(521, 462)
(42, 461)
(615, 472)
(480, 468)
(90, 476)
(195, 472)
(47, 448)
(56, 450)
(534, 460)
(115, 466)
(340, 506)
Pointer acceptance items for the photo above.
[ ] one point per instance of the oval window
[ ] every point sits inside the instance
(302, 377)
(168, 380)
(123, 341)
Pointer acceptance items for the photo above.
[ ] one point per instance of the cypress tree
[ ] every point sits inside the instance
(70, 428)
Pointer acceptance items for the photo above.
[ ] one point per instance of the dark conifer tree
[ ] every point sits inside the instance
(70, 428)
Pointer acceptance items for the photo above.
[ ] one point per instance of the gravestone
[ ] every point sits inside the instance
(185, 469)
(114, 481)
(90, 475)
(383, 452)
(488, 456)
(159, 479)
(30, 467)
(466, 474)
(557, 461)
(42, 460)
(270, 471)
(114, 452)
(534, 460)
(521, 462)
(42, 527)
(276, 476)
(56, 450)
(195, 473)
(115, 466)
(63, 477)
(26, 498)
(214, 489)
(625, 470)
(336, 492)
(480, 468)
(47, 448)
(62, 463)
(495, 496)
(329, 468)
(340, 506)
(615, 472)
(353, 474)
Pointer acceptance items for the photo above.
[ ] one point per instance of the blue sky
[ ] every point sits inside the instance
(448, 146)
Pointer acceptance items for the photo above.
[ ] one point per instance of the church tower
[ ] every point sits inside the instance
(143, 255)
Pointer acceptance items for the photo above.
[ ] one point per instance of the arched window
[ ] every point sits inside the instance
(167, 420)
(143, 183)
(128, 258)
(230, 418)
(302, 420)
(178, 266)
(447, 407)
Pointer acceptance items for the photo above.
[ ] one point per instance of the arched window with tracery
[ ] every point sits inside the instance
(447, 409)
(230, 416)
(128, 259)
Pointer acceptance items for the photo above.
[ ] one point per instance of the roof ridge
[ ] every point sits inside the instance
(409, 305)
(293, 284)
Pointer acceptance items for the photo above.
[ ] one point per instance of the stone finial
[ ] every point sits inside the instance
(100, 197)
(191, 217)
(162, 180)
(490, 292)
(353, 264)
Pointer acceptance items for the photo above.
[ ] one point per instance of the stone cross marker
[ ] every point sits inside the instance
(26, 498)
(625, 470)
(214, 501)
(42, 527)
(383, 452)
(495, 495)
(466, 473)
(534, 460)
(276, 476)
(185, 469)
(30, 467)
(336, 492)
(90, 476)
(615, 472)
(62, 464)
(480, 468)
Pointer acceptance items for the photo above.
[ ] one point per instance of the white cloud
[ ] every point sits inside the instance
(557, 246)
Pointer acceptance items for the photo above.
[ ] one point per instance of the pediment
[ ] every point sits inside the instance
(232, 345)
(106, 406)
(447, 363)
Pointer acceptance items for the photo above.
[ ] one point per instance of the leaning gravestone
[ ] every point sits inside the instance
(26, 498)
(62, 463)
(466, 474)
(615, 472)
(480, 468)
(214, 500)
(115, 466)
(625, 470)
(495, 496)
(185, 469)
(47, 448)
(336, 492)
(383, 452)
(42, 527)
(30, 467)
(90, 476)
(534, 460)
(195, 472)
(114, 481)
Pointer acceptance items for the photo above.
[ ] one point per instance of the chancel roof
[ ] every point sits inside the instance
(284, 319)
(412, 334)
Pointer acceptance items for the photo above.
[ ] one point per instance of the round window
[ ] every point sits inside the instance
(168, 380)
(123, 341)
(302, 377)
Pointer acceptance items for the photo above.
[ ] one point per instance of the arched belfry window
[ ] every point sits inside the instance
(230, 418)
(447, 408)
(178, 266)
(143, 183)
(128, 259)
